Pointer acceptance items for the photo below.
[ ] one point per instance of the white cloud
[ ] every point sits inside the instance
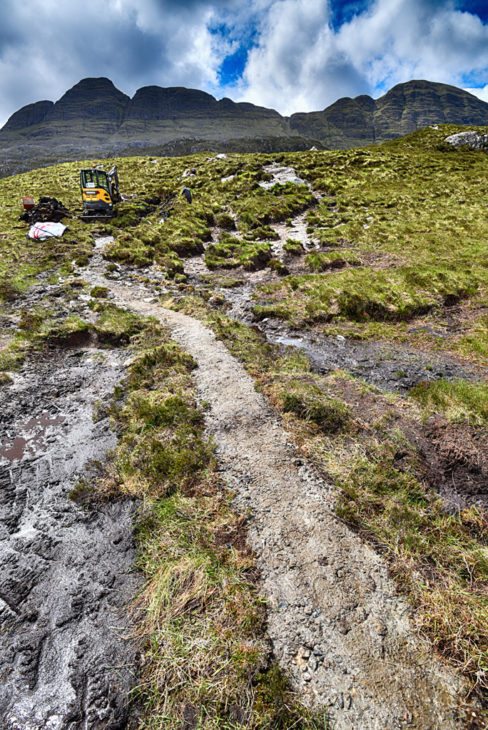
(299, 62)
(47, 46)
(481, 93)
(302, 64)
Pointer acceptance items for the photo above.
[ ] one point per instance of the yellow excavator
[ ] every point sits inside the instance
(99, 192)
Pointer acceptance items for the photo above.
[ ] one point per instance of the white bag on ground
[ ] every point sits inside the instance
(42, 231)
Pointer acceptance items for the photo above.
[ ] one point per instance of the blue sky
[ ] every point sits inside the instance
(292, 55)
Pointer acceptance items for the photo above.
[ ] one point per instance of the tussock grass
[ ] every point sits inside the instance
(230, 253)
(206, 660)
(362, 294)
(307, 401)
(293, 247)
(438, 558)
(318, 261)
(458, 400)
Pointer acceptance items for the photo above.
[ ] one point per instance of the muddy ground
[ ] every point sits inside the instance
(65, 661)
(337, 626)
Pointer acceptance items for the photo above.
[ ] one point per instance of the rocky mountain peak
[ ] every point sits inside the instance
(155, 102)
(91, 98)
(29, 115)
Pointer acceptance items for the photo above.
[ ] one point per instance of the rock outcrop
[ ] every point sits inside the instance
(472, 140)
(28, 116)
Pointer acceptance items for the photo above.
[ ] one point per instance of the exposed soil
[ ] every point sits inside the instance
(389, 367)
(337, 625)
(65, 661)
(338, 628)
(456, 462)
(450, 457)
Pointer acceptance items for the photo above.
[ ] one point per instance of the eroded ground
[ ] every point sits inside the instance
(350, 289)
(67, 575)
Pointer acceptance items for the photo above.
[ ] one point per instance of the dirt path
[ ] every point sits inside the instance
(337, 626)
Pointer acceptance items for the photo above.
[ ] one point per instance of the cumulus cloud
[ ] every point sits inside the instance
(47, 46)
(299, 57)
(302, 63)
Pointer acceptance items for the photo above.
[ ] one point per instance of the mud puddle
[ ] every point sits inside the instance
(35, 432)
(388, 367)
(65, 662)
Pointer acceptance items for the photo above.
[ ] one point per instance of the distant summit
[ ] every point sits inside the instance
(94, 118)
(404, 109)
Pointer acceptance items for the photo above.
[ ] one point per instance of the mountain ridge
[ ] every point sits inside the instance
(95, 118)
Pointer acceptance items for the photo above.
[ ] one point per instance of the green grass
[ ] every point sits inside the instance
(231, 252)
(308, 401)
(200, 615)
(364, 294)
(411, 213)
(438, 559)
(414, 215)
(355, 436)
(293, 247)
(318, 261)
(458, 400)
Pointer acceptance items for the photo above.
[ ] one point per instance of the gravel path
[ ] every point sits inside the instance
(337, 626)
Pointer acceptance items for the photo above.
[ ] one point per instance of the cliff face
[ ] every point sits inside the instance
(96, 118)
(28, 116)
(405, 108)
(91, 99)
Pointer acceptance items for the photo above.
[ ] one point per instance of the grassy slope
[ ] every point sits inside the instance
(416, 216)
(408, 221)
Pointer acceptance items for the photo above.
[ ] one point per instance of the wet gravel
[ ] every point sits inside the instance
(65, 661)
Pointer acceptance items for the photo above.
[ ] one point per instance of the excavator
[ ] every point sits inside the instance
(99, 192)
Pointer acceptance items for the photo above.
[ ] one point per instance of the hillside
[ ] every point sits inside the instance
(95, 118)
(261, 421)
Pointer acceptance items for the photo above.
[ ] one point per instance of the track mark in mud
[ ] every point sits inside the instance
(337, 626)
(66, 575)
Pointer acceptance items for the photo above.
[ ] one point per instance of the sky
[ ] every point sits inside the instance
(291, 55)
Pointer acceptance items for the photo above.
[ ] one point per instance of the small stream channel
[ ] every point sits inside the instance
(67, 577)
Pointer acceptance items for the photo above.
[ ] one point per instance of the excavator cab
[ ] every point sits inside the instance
(99, 192)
